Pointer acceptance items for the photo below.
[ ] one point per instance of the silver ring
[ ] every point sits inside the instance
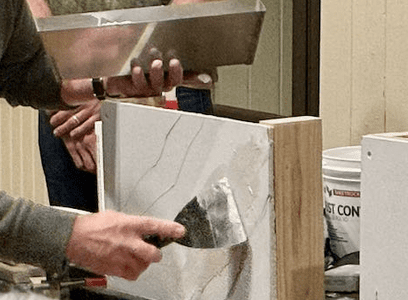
(76, 119)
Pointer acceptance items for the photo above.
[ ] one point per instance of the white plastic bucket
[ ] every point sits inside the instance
(341, 194)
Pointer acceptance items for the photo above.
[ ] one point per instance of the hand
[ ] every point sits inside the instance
(198, 80)
(111, 243)
(77, 122)
(82, 151)
(138, 85)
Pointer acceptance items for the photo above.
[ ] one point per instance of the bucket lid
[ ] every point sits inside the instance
(342, 161)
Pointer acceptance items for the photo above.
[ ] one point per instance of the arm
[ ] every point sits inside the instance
(27, 75)
(34, 234)
(115, 244)
(106, 243)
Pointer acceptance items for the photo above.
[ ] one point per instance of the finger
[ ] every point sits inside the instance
(75, 118)
(87, 111)
(156, 76)
(139, 81)
(60, 117)
(164, 228)
(84, 128)
(154, 54)
(175, 75)
(145, 253)
(89, 141)
(88, 163)
(70, 145)
(73, 122)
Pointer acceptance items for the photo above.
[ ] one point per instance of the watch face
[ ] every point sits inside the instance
(99, 90)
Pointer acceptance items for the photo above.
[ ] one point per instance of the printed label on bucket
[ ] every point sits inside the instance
(342, 213)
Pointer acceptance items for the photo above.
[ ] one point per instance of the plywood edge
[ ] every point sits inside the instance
(298, 196)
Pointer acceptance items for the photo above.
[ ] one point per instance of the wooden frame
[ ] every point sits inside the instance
(298, 207)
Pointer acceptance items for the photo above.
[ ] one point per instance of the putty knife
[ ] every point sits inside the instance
(211, 220)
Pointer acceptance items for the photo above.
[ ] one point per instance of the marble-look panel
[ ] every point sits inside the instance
(156, 161)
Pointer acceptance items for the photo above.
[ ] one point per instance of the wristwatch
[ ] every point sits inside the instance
(98, 88)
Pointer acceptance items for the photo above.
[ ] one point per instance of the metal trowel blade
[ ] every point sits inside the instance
(211, 220)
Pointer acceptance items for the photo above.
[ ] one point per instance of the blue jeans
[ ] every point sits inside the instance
(71, 187)
(193, 100)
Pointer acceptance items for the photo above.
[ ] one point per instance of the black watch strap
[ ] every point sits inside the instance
(98, 89)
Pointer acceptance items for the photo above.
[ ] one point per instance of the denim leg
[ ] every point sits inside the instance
(194, 100)
(66, 184)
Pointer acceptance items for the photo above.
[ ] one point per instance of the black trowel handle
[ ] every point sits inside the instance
(155, 240)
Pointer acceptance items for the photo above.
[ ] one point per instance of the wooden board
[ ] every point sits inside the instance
(297, 145)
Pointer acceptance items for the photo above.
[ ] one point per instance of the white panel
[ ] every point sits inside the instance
(156, 160)
(384, 223)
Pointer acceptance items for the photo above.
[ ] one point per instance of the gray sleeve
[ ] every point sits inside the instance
(34, 234)
(27, 74)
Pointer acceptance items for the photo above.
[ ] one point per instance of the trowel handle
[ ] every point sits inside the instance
(155, 240)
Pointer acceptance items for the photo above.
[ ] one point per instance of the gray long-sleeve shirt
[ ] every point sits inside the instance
(29, 233)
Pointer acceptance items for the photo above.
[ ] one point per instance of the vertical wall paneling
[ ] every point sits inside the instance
(397, 66)
(335, 72)
(364, 67)
(16, 151)
(6, 147)
(265, 85)
(368, 68)
(21, 172)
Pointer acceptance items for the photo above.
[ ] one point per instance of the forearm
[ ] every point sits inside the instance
(34, 234)
(76, 92)
(27, 74)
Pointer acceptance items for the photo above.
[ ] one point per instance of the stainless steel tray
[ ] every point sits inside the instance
(201, 35)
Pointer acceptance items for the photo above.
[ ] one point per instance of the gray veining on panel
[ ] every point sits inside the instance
(162, 159)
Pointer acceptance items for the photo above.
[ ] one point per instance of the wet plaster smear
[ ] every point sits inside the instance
(156, 161)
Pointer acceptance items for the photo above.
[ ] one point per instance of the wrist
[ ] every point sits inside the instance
(111, 88)
(99, 88)
(76, 91)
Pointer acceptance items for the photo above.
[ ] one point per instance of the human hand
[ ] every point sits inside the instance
(198, 80)
(111, 243)
(139, 85)
(77, 122)
(136, 85)
(82, 151)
